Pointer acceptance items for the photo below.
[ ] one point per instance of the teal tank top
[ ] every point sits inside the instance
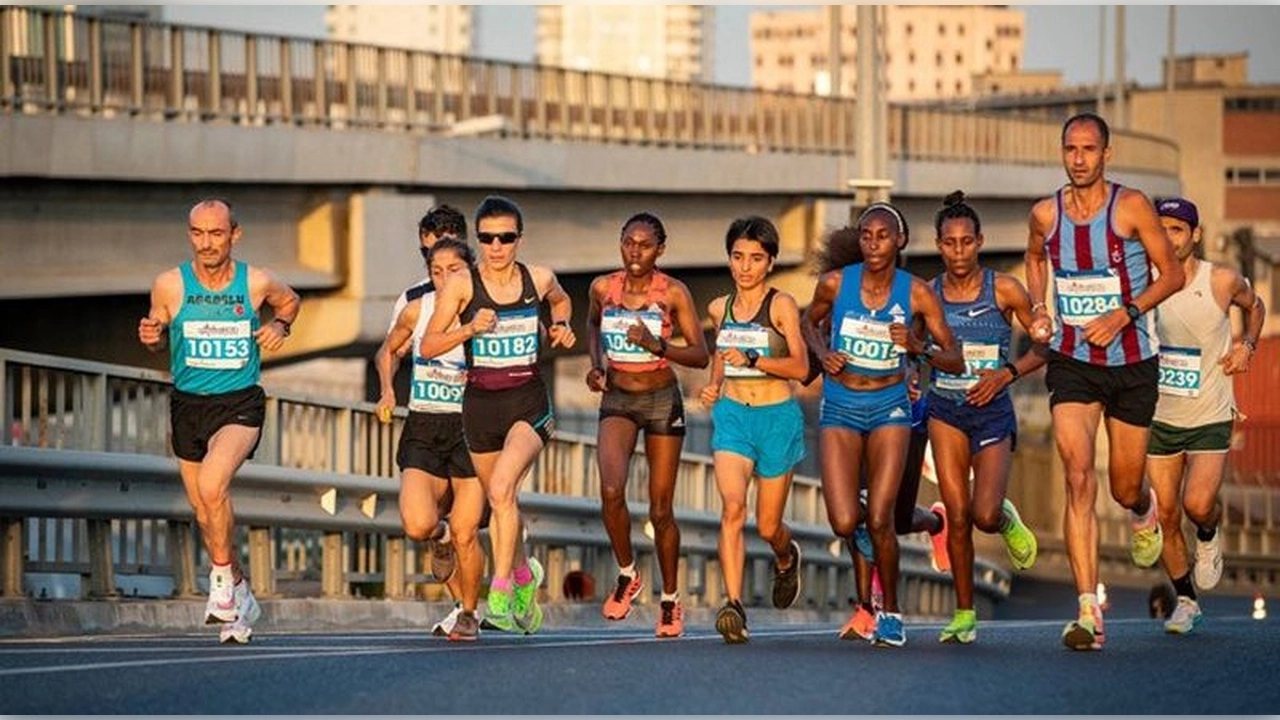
(211, 345)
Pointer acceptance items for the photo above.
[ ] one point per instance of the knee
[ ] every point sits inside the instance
(769, 529)
(464, 536)
(1171, 516)
(986, 520)
(880, 524)
(733, 514)
(843, 524)
(419, 528)
(1199, 510)
(211, 496)
(613, 495)
(502, 500)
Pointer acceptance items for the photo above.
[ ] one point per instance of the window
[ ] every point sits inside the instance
(911, 57)
(959, 58)
(959, 88)
(937, 86)
(759, 61)
(960, 29)
(1255, 104)
(942, 29)
(910, 29)
(911, 86)
(937, 58)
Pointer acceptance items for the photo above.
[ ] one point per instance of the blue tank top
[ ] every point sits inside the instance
(861, 333)
(983, 333)
(1095, 270)
(506, 356)
(211, 345)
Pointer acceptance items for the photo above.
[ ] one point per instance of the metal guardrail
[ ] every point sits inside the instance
(55, 62)
(88, 478)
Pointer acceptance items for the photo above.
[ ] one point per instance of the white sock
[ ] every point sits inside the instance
(629, 571)
(445, 536)
(670, 597)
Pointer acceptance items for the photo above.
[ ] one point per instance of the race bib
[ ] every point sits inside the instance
(614, 323)
(1086, 295)
(866, 344)
(1180, 371)
(437, 388)
(977, 357)
(513, 342)
(217, 344)
(744, 336)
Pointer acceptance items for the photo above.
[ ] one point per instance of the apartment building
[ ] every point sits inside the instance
(927, 51)
(674, 42)
(433, 28)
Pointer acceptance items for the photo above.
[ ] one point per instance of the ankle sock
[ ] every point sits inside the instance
(501, 584)
(522, 575)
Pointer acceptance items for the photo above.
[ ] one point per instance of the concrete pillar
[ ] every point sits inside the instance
(333, 582)
(102, 577)
(393, 573)
(182, 558)
(556, 568)
(11, 557)
(262, 565)
(713, 583)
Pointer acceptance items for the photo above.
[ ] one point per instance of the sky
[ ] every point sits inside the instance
(1058, 37)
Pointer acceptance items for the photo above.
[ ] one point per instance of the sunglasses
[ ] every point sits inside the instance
(505, 238)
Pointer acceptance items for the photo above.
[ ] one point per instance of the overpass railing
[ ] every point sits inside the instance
(56, 62)
(88, 486)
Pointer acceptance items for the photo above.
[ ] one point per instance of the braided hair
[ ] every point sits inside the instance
(659, 232)
(954, 207)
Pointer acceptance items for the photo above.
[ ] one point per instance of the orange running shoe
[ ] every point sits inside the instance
(670, 620)
(618, 604)
(862, 624)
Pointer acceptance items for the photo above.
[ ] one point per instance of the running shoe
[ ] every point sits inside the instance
(1018, 539)
(526, 596)
(939, 558)
(786, 583)
(861, 624)
(1085, 632)
(444, 560)
(445, 626)
(889, 630)
(1147, 540)
(1186, 616)
(249, 611)
(532, 622)
(618, 604)
(1208, 569)
(466, 628)
(731, 623)
(221, 606)
(670, 620)
(962, 629)
(500, 610)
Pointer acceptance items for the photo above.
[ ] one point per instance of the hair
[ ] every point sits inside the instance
(499, 206)
(443, 220)
(652, 221)
(460, 247)
(887, 209)
(231, 212)
(954, 208)
(1094, 118)
(840, 249)
(753, 227)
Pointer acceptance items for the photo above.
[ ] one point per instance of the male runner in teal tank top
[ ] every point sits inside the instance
(207, 312)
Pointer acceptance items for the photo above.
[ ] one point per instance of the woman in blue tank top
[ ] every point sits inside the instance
(858, 325)
(972, 426)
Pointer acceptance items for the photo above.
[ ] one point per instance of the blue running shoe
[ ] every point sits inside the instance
(889, 630)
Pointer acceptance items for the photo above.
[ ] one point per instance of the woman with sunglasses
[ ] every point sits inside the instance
(865, 420)
(493, 311)
(631, 319)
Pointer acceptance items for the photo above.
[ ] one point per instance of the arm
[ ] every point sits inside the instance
(284, 303)
(684, 315)
(597, 378)
(1236, 360)
(153, 329)
(816, 316)
(1043, 215)
(1012, 299)
(386, 359)
(443, 332)
(925, 303)
(561, 306)
(711, 393)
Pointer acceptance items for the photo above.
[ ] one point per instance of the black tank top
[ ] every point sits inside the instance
(506, 356)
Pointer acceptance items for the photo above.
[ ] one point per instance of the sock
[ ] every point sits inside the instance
(629, 571)
(670, 597)
(1088, 600)
(1204, 535)
(522, 575)
(1183, 587)
(501, 584)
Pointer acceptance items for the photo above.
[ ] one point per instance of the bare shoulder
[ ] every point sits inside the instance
(715, 308)
(1044, 212)
(1006, 282)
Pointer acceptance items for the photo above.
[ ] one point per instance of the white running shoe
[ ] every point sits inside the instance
(241, 630)
(1208, 569)
(1186, 616)
(445, 627)
(221, 606)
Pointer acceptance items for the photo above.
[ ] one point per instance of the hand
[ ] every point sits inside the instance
(902, 336)
(733, 357)
(833, 362)
(1041, 327)
(710, 394)
(597, 380)
(639, 335)
(990, 383)
(270, 336)
(913, 386)
(561, 335)
(1103, 329)
(386, 404)
(150, 332)
(485, 320)
(1236, 360)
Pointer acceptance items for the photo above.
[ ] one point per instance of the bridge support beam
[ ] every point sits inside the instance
(11, 557)
(332, 566)
(182, 558)
(262, 567)
(394, 568)
(102, 573)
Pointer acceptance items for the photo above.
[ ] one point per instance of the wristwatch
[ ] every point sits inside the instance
(752, 356)
(1133, 311)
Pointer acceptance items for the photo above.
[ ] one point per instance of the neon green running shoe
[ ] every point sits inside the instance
(963, 628)
(531, 624)
(527, 612)
(1018, 538)
(1147, 540)
(498, 614)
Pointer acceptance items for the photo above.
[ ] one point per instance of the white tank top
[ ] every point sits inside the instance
(437, 384)
(1194, 334)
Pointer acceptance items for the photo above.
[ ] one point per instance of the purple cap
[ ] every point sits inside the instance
(1179, 209)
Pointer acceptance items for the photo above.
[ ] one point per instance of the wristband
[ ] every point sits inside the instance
(662, 347)
(285, 325)
(1013, 370)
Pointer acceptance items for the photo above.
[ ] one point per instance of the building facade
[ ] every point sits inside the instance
(674, 42)
(926, 51)
(433, 28)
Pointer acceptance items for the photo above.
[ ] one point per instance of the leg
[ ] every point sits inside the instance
(615, 443)
(1166, 479)
(1129, 488)
(840, 451)
(1203, 506)
(420, 493)
(663, 452)
(1075, 426)
(733, 473)
(501, 474)
(771, 504)
(464, 524)
(211, 479)
(907, 517)
(951, 461)
(886, 453)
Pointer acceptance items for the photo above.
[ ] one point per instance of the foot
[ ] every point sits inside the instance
(731, 623)
(1147, 540)
(500, 612)
(1208, 568)
(786, 583)
(939, 558)
(1186, 616)
(618, 605)
(670, 619)
(1018, 539)
(526, 596)
(248, 611)
(889, 630)
(466, 628)
(1085, 632)
(962, 629)
(445, 626)
(861, 624)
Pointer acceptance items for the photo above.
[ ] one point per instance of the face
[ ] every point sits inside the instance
(880, 240)
(1083, 156)
(959, 246)
(640, 248)
(1184, 238)
(209, 229)
(749, 263)
(492, 233)
(446, 265)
